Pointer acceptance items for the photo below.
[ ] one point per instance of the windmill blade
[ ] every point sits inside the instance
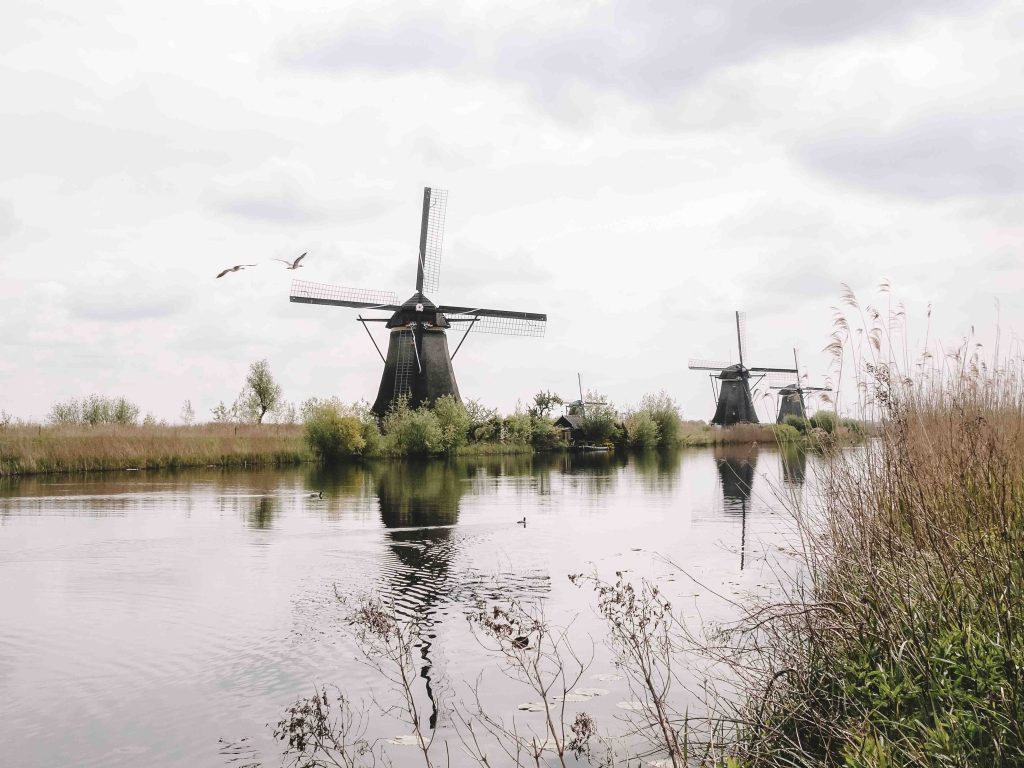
(695, 364)
(773, 370)
(782, 379)
(499, 321)
(741, 333)
(428, 267)
(304, 292)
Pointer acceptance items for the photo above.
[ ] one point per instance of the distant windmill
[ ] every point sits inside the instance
(735, 403)
(791, 396)
(418, 366)
(579, 407)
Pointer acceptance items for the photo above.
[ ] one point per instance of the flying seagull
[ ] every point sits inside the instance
(235, 269)
(292, 264)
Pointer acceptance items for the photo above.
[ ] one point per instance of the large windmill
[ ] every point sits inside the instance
(791, 396)
(735, 403)
(418, 366)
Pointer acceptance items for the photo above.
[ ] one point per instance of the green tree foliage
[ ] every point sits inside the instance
(825, 420)
(642, 431)
(544, 435)
(453, 421)
(785, 433)
(544, 402)
(664, 410)
(799, 423)
(261, 392)
(412, 432)
(333, 433)
(518, 428)
(95, 409)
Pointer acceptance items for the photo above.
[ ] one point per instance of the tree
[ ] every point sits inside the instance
(188, 414)
(544, 403)
(261, 393)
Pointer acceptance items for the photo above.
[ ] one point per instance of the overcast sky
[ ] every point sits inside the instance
(638, 169)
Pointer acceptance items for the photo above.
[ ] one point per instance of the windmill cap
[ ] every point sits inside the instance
(417, 307)
(736, 371)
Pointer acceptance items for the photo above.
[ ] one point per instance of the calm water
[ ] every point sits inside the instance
(145, 616)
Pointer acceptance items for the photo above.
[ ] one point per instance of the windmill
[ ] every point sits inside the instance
(735, 403)
(791, 396)
(579, 407)
(418, 366)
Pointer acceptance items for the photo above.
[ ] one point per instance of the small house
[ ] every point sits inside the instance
(571, 427)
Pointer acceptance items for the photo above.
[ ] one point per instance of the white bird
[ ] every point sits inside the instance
(292, 264)
(235, 268)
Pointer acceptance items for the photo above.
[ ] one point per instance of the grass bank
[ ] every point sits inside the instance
(904, 644)
(43, 449)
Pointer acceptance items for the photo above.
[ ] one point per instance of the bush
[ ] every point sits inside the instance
(518, 428)
(665, 413)
(95, 409)
(453, 421)
(545, 435)
(853, 426)
(825, 421)
(599, 427)
(786, 433)
(799, 423)
(642, 430)
(333, 434)
(415, 433)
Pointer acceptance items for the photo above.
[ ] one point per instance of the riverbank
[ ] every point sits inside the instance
(903, 643)
(26, 450)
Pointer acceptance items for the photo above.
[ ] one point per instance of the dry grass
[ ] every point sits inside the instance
(903, 645)
(40, 449)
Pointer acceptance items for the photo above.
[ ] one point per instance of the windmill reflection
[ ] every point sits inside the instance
(736, 473)
(794, 465)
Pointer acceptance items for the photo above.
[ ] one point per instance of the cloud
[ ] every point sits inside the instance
(9, 222)
(933, 157)
(127, 298)
(285, 192)
(647, 49)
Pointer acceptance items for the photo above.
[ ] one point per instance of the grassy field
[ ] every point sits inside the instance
(35, 449)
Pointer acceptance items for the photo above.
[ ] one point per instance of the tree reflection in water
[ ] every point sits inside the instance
(261, 515)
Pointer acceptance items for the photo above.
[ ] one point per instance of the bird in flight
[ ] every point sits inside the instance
(292, 264)
(235, 268)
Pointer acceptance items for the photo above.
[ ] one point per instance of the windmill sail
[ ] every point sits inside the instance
(428, 268)
(304, 292)
(498, 321)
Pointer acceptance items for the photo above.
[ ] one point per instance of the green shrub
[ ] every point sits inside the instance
(853, 426)
(785, 433)
(665, 412)
(518, 428)
(333, 434)
(642, 430)
(799, 423)
(545, 436)
(414, 433)
(824, 420)
(453, 421)
(599, 427)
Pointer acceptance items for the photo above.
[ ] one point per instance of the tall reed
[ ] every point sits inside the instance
(903, 645)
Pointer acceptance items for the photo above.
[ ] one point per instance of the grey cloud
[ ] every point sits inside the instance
(289, 207)
(647, 49)
(936, 157)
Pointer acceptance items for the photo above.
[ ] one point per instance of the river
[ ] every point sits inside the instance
(164, 619)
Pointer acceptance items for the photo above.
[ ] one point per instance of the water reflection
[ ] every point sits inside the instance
(261, 515)
(794, 465)
(736, 475)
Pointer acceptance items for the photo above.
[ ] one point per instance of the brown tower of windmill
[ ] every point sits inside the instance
(735, 403)
(418, 366)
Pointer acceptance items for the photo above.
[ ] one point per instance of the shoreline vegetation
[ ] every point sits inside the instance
(898, 638)
(103, 434)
